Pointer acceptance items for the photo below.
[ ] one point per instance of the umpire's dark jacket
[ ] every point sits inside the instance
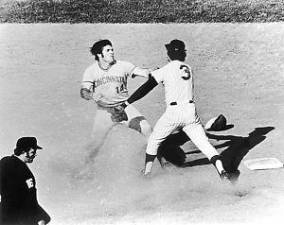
(19, 203)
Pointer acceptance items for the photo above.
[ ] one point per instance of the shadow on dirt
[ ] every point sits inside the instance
(236, 148)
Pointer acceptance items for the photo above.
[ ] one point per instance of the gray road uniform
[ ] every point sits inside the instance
(109, 91)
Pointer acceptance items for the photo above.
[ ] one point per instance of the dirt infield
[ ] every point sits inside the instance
(239, 72)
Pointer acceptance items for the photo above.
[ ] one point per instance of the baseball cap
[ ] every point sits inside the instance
(175, 45)
(27, 142)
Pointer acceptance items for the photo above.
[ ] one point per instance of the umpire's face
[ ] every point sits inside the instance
(30, 155)
(107, 54)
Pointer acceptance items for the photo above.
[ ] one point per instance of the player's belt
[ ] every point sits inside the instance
(175, 103)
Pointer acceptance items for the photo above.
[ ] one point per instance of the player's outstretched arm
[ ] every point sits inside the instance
(140, 72)
(143, 90)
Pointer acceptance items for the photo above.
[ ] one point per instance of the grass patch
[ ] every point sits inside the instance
(140, 11)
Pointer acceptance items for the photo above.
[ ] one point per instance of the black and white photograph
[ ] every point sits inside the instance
(135, 112)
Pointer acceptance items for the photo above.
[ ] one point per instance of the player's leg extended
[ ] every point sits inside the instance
(137, 121)
(197, 135)
(163, 128)
(101, 127)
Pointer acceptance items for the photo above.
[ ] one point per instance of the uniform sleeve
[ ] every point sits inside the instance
(88, 80)
(128, 67)
(140, 72)
(159, 74)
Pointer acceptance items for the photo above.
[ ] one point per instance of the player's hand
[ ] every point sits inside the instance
(41, 222)
(118, 113)
(86, 94)
(124, 104)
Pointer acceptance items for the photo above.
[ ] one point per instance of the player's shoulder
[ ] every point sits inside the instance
(179, 63)
(92, 68)
(124, 66)
(7, 160)
(122, 63)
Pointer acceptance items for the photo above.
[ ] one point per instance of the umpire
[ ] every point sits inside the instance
(19, 203)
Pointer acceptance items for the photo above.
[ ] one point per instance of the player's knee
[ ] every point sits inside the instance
(153, 146)
(215, 158)
(152, 150)
(141, 125)
(146, 128)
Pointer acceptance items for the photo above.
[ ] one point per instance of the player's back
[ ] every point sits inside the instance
(177, 79)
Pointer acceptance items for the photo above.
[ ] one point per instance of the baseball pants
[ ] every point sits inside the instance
(103, 123)
(178, 117)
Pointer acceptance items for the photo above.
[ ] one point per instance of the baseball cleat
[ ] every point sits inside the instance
(145, 174)
(225, 176)
(162, 161)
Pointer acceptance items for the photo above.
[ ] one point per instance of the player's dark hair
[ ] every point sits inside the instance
(177, 55)
(19, 151)
(97, 47)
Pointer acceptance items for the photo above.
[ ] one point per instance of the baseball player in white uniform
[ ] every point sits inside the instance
(180, 113)
(105, 82)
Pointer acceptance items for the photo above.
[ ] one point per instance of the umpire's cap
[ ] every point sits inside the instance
(175, 45)
(26, 143)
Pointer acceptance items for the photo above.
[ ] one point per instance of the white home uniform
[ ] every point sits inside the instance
(180, 112)
(109, 88)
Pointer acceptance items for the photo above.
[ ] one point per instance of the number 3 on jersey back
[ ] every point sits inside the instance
(185, 72)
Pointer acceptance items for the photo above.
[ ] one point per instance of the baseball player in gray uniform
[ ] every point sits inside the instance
(180, 114)
(105, 82)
